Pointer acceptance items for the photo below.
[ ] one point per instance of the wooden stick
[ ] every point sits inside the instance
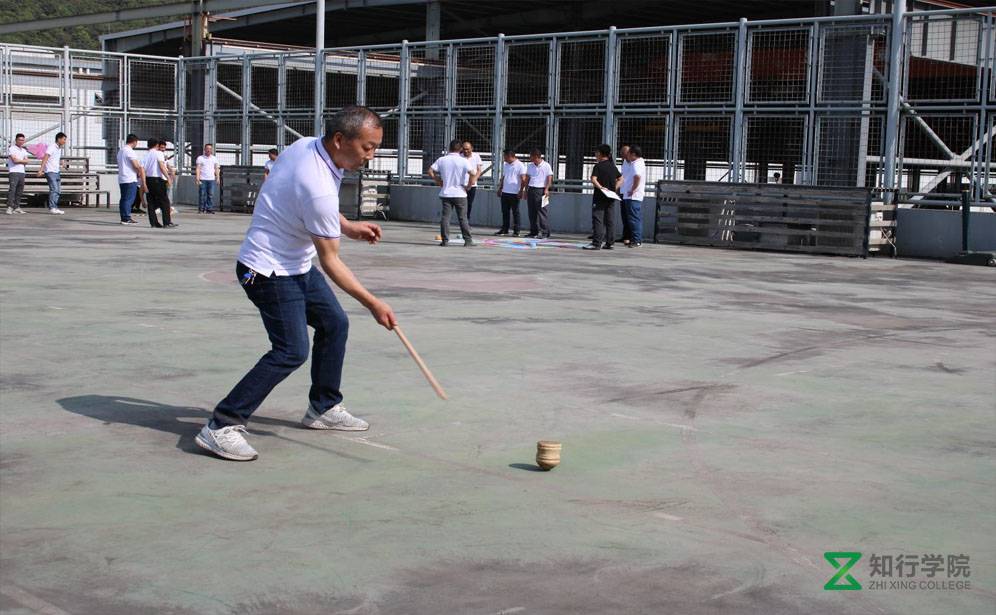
(421, 364)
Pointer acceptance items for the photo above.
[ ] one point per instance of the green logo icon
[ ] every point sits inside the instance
(848, 582)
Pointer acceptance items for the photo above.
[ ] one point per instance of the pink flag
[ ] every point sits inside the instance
(37, 149)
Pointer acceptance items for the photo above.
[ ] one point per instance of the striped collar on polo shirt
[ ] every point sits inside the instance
(336, 171)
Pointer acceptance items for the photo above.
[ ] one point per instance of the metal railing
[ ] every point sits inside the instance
(803, 101)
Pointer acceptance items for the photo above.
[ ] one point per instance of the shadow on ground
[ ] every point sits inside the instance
(182, 421)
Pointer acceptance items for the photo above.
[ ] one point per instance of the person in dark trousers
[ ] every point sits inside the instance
(157, 179)
(511, 189)
(455, 175)
(540, 177)
(296, 219)
(627, 230)
(605, 176)
(467, 151)
(17, 157)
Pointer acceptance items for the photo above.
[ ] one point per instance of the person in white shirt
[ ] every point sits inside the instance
(511, 189)
(17, 157)
(467, 151)
(51, 167)
(130, 172)
(295, 219)
(206, 176)
(268, 165)
(454, 174)
(538, 187)
(634, 187)
(627, 232)
(157, 177)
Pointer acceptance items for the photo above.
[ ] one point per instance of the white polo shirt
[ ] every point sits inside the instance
(54, 153)
(511, 173)
(150, 162)
(16, 152)
(298, 200)
(629, 172)
(475, 159)
(538, 173)
(454, 170)
(206, 166)
(126, 170)
(268, 165)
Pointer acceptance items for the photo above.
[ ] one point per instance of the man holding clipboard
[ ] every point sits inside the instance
(605, 177)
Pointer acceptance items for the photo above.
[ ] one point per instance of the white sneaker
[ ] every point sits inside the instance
(336, 418)
(19, 211)
(56, 211)
(227, 442)
(10, 211)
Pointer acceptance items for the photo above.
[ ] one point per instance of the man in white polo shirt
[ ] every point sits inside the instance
(157, 177)
(130, 171)
(51, 167)
(17, 157)
(454, 174)
(540, 177)
(511, 188)
(296, 217)
(207, 174)
(634, 188)
(467, 149)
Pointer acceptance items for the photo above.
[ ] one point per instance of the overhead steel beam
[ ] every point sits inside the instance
(145, 12)
(183, 8)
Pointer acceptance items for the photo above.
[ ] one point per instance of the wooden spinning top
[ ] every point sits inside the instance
(547, 454)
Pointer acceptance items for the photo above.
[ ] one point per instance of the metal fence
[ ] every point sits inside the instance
(799, 101)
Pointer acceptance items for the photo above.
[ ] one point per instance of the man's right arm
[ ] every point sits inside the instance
(435, 177)
(41, 171)
(342, 276)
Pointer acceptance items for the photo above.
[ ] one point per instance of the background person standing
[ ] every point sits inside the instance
(468, 152)
(540, 177)
(207, 175)
(454, 174)
(130, 171)
(17, 157)
(51, 167)
(604, 175)
(627, 232)
(157, 177)
(634, 187)
(511, 188)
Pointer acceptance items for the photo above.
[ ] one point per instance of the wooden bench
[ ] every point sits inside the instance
(779, 217)
(80, 187)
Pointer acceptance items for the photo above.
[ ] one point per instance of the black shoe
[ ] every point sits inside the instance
(547, 236)
(171, 225)
(444, 243)
(501, 234)
(607, 246)
(515, 234)
(157, 226)
(590, 246)
(532, 235)
(591, 236)
(130, 221)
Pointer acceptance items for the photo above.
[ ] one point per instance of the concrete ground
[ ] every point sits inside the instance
(726, 418)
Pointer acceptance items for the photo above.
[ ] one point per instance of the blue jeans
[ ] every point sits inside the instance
(288, 306)
(128, 194)
(54, 189)
(631, 212)
(205, 193)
